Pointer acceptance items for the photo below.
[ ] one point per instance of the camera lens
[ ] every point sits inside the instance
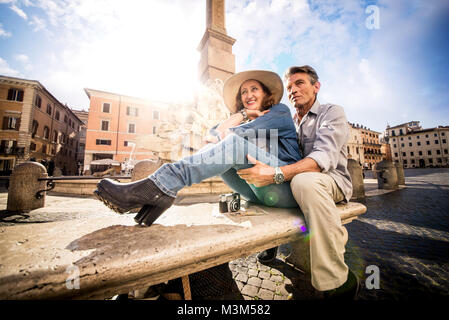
(234, 205)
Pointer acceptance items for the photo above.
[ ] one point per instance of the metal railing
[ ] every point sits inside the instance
(51, 181)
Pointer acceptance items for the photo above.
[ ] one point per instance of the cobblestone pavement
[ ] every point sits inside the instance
(405, 233)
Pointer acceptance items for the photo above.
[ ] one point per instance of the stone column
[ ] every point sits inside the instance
(387, 177)
(400, 173)
(355, 171)
(144, 168)
(217, 60)
(23, 186)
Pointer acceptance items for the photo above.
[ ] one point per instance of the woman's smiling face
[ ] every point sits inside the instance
(252, 95)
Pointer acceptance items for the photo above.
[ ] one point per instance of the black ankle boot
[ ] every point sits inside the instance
(267, 255)
(122, 197)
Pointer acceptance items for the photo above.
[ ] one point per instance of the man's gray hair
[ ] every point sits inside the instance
(303, 69)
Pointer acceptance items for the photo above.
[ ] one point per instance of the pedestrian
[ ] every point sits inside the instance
(253, 97)
(318, 181)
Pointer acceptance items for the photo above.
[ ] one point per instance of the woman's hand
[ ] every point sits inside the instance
(210, 139)
(253, 114)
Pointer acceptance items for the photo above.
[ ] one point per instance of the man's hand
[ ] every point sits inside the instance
(260, 175)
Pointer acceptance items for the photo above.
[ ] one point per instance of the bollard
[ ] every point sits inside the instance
(374, 168)
(23, 186)
(355, 171)
(387, 177)
(144, 168)
(400, 173)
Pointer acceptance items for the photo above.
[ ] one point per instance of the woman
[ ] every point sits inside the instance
(260, 127)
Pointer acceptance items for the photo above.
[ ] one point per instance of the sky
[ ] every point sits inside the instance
(384, 61)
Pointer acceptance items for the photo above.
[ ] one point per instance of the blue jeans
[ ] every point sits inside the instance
(224, 159)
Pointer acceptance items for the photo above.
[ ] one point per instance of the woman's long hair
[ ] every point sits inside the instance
(267, 102)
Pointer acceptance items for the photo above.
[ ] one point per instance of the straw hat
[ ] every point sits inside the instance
(232, 85)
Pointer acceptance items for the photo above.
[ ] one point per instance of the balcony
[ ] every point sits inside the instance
(369, 144)
(17, 151)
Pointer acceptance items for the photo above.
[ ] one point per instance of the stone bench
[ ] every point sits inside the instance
(99, 256)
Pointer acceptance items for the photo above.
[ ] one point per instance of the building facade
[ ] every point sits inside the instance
(355, 145)
(115, 123)
(364, 146)
(415, 147)
(83, 116)
(36, 126)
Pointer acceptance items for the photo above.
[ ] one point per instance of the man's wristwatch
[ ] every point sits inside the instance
(278, 176)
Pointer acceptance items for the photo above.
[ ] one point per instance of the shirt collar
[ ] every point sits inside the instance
(313, 110)
(315, 106)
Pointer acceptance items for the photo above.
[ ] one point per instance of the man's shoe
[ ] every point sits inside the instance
(123, 197)
(348, 291)
(267, 256)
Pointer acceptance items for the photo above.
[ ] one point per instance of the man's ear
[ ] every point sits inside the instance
(317, 86)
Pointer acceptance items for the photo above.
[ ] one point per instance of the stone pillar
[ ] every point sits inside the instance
(23, 186)
(387, 177)
(374, 168)
(144, 168)
(355, 171)
(400, 173)
(217, 60)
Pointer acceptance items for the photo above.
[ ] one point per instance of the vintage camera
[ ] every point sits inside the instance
(229, 202)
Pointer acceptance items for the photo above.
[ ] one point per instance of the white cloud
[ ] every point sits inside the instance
(19, 11)
(37, 23)
(3, 33)
(6, 70)
(22, 58)
(25, 60)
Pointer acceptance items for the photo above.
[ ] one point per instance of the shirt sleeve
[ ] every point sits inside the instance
(332, 134)
(271, 120)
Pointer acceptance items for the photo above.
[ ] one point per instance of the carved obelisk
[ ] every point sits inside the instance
(217, 60)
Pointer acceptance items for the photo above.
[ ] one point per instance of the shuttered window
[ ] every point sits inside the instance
(15, 94)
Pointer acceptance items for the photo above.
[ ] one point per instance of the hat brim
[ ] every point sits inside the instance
(232, 85)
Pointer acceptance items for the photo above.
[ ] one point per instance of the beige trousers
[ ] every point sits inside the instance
(316, 194)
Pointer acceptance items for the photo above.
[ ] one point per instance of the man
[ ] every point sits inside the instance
(318, 181)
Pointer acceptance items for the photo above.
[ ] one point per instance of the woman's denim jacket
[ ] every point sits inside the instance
(274, 130)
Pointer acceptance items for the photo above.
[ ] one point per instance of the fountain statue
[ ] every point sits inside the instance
(183, 132)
